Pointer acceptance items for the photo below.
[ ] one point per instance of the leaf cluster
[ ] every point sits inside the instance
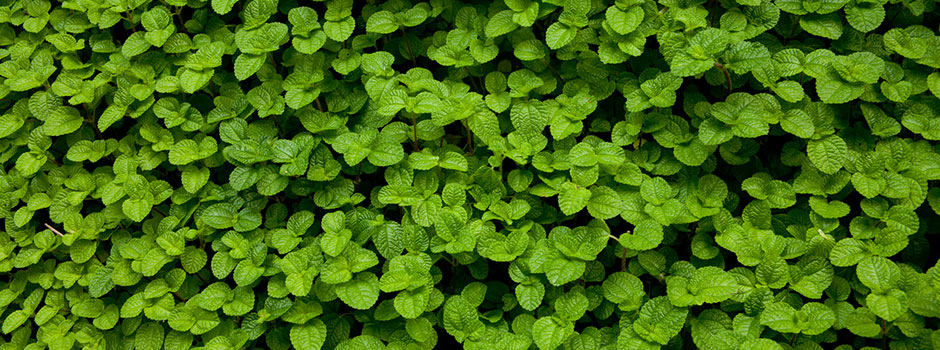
(511, 174)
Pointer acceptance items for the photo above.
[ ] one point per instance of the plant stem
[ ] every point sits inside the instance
(884, 334)
(133, 25)
(53, 161)
(358, 172)
(273, 63)
(623, 261)
(555, 72)
(278, 125)
(179, 15)
(473, 83)
(200, 278)
(94, 126)
(466, 126)
(711, 19)
(408, 46)
(896, 13)
(53, 229)
(188, 216)
(724, 71)
(414, 125)
(796, 23)
(160, 211)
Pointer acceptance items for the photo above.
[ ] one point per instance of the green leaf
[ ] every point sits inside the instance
(827, 26)
(501, 23)
(360, 293)
(706, 285)
(624, 21)
(911, 42)
(625, 290)
(149, 337)
(848, 252)
(135, 44)
(220, 215)
(830, 210)
(833, 90)
(573, 198)
(879, 122)
(256, 12)
(223, 6)
(811, 276)
(412, 303)
(828, 154)
(372, 175)
(184, 152)
(604, 203)
(346, 62)
(194, 178)
(419, 329)
(658, 321)
(816, 318)
(530, 295)
(193, 260)
(461, 319)
(746, 56)
(864, 16)
(859, 67)
(685, 65)
(799, 123)
(780, 317)
(339, 30)
(550, 332)
(386, 154)
(889, 306)
(559, 35)
(790, 91)
(812, 318)
(382, 22)
(309, 336)
(530, 50)
(562, 271)
(933, 83)
(10, 123)
(62, 121)
(709, 42)
(136, 209)
(661, 89)
(921, 119)
(14, 321)
(571, 306)
(646, 235)
(247, 65)
(656, 190)
(878, 273)
(529, 117)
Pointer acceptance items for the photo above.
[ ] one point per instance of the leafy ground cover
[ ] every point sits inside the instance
(518, 174)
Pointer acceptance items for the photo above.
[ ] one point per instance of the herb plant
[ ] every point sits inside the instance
(514, 174)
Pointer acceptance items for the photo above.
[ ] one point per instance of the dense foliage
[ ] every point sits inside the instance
(518, 174)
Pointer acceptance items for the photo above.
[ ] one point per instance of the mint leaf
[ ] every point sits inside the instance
(658, 321)
(828, 154)
(516, 174)
(878, 273)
